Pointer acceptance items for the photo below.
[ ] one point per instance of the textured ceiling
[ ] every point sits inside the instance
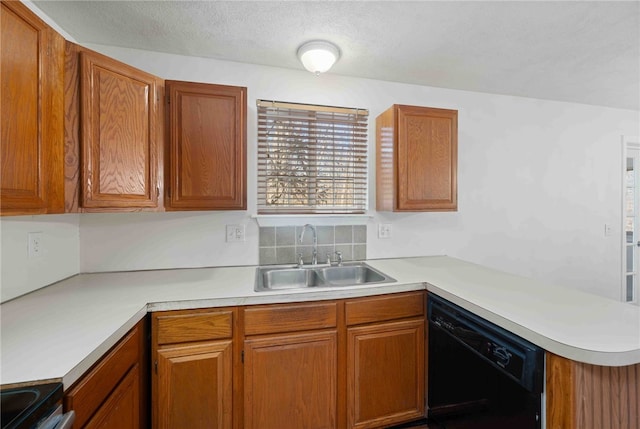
(576, 51)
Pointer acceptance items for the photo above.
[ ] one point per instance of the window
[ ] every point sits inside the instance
(311, 159)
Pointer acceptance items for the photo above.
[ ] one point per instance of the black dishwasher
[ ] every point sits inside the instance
(480, 375)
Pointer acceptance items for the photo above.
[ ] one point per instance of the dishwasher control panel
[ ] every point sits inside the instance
(511, 354)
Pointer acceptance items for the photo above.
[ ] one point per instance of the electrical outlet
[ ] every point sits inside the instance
(235, 233)
(384, 230)
(35, 245)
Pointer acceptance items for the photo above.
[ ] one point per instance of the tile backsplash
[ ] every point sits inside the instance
(281, 245)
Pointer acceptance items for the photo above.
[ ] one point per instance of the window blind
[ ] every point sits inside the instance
(311, 159)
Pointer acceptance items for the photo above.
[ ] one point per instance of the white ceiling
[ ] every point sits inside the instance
(577, 51)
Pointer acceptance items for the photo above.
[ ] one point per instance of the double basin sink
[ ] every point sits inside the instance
(348, 274)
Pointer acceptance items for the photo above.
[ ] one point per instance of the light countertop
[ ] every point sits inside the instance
(58, 332)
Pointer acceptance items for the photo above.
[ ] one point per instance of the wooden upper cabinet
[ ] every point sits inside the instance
(32, 145)
(120, 141)
(416, 159)
(207, 146)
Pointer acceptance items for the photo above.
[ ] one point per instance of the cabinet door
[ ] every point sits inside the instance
(31, 124)
(122, 408)
(207, 146)
(194, 386)
(427, 158)
(385, 374)
(290, 381)
(113, 394)
(119, 138)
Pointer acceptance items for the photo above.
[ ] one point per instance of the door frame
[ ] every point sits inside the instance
(628, 142)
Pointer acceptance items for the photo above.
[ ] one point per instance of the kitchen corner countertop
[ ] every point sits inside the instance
(59, 332)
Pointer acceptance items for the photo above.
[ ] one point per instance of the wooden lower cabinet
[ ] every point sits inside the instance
(351, 363)
(113, 394)
(290, 381)
(385, 364)
(122, 409)
(194, 386)
(385, 374)
(192, 378)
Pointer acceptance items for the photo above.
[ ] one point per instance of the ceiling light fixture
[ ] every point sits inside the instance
(318, 56)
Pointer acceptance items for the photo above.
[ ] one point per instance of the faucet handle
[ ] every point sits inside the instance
(328, 258)
(339, 255)
(300, 261)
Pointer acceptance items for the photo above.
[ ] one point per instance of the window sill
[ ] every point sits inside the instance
(314, 219)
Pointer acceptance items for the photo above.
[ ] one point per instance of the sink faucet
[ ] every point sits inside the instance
(314, 260)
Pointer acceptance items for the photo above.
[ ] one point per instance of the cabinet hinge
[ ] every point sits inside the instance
(168, 100)
(242, 356)
(155, 366)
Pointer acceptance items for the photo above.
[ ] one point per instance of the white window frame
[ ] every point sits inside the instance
(628, 143)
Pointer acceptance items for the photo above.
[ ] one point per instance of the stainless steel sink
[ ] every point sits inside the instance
(349, 274)
(290, 278)
(352, 275)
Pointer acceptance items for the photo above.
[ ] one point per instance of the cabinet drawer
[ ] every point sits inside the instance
(289, 318)
(94, 388)
(386, 307)
(172, 328)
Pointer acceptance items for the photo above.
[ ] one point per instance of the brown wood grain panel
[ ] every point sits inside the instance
(561, 392)
(20, 89)
(342, 366)
(385, 374)
(171, 328)
(290, 381)
(72, 160)
(583, 396)
(607, 391)
(386, 153)
(194, 386)
(207, 146)
(427, 158)
(289, 317)
(633, 373)
(119, 142)
(416, 159)
(620, 387)
(72, 128)
(93, 389)
(385, 307)
(31, 123)
(428, 148)
(122, 409)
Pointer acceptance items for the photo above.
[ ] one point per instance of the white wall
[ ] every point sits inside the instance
(537, 182)
(60, 258)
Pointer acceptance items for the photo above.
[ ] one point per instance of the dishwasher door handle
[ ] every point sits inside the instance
(67, 420)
